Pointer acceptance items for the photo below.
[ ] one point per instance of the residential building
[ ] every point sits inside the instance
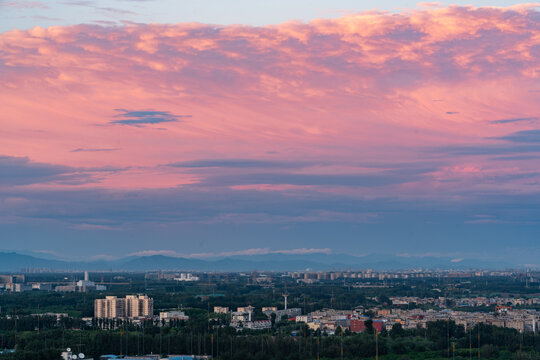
(18, 287)
(186, 277)
(258, 325)
(221, 309)
(167, 316)
(139, 306)
(42, 287)
(110, 308)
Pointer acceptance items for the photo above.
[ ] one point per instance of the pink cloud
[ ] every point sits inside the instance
(370, 87)
(23, 4)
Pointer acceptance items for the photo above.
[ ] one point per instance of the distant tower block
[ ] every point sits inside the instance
(285, 296)
(86, 277)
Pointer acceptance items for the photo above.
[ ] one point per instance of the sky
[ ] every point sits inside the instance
(26, 14)
(182, 127)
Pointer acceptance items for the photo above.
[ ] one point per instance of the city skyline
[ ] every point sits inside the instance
(411, 129)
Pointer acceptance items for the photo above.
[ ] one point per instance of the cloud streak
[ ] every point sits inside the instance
(524, 136)
(239, 163)
(145, 117)
(23, 4)
(22, 171)
(93, 149)
(246, 252)
(514, 120)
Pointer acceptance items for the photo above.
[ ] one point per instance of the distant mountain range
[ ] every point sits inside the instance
(13, 262)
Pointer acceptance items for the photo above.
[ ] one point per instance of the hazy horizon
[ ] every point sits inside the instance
(141, 127)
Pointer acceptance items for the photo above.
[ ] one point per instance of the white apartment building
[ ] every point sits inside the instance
(167, 316)
(186, 277)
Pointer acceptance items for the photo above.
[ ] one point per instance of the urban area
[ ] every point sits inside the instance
(264, 315)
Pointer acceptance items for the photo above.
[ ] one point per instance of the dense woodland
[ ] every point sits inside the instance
(439, 340)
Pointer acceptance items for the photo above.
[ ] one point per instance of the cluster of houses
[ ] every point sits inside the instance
(464, 302)
(409, 317)
(17, 283)
(328, 320)
(242, 318)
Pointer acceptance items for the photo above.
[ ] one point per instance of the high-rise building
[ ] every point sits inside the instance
(139, 306)
(132, 306)
(110, 308)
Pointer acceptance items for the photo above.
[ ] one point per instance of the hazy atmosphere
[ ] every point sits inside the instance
(215, 128)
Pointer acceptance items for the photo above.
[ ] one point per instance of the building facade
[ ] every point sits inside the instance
(131, 307)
